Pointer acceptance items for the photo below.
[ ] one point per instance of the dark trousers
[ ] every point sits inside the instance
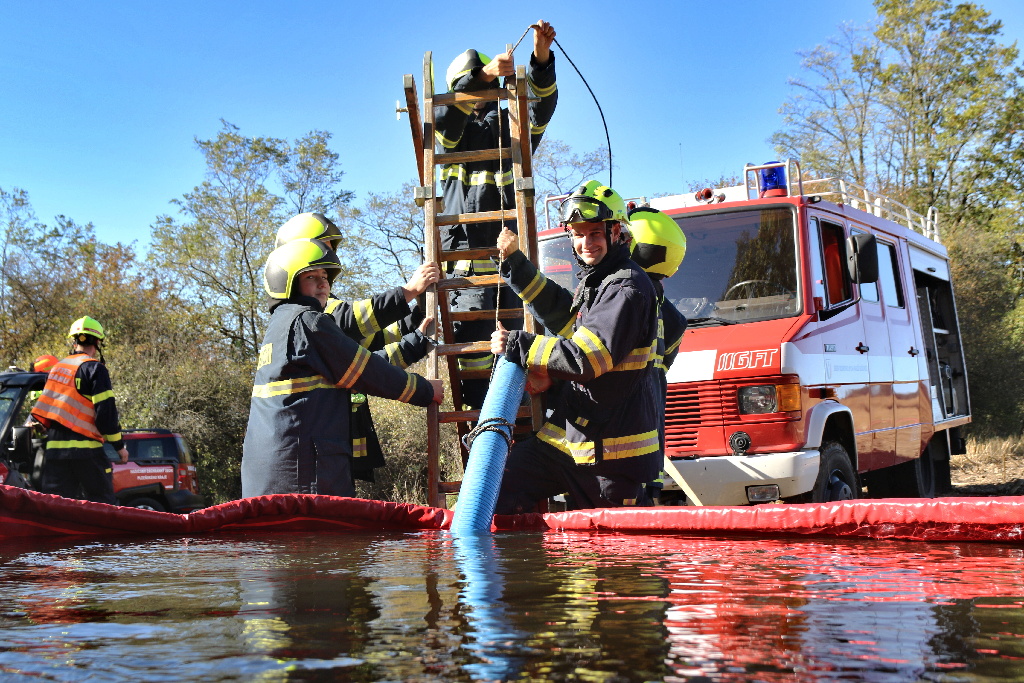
(88, 478)
(536, 471)
(479, 299)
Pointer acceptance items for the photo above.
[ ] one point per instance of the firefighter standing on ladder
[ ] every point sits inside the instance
(601, 440)
(485, 185)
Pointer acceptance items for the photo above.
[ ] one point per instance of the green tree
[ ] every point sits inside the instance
(558, 169)
(216, 251)
(389, 227)
(928, 108)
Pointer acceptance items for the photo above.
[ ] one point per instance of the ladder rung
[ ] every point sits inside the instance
(466, 347)
(468, 282)
(492, 154)
(479, 217)
(490, 95)
(474, 374)
(467, 254)
(503, 314)
(449, 486)
(447, 416)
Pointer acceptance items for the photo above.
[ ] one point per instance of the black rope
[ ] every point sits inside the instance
(607, 138)
(491, 424)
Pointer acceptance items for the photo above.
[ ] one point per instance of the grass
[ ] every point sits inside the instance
(996, 462)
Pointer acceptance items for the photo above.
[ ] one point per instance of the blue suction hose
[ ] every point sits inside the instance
(478, 494)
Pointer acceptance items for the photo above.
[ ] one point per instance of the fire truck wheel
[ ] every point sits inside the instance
(146, 504)
(836, 478)
(915, 478)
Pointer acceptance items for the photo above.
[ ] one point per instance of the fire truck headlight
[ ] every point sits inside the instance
(769, 398)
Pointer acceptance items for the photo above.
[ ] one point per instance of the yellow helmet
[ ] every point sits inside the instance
(85, 327)
(659, 244)
(592, 202)
(293, 258)
(309, 226)
(463, 64)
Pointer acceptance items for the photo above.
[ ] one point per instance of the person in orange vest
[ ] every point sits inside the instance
(78, 411)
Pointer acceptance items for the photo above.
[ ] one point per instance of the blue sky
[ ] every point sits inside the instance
(100, 102)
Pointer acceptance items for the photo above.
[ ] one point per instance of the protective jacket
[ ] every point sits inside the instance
(474, 186)
(365, 320)
(604, 341)
(385, 325)
(298, 440)
(366, 451)
(78, 409)
(671, 325)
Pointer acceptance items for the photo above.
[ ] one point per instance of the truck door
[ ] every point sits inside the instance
(841, 332)
(877, 351)
(906, 347)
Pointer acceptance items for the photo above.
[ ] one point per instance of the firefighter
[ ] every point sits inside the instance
(78, 411)
(389, 324)
(485, 185)
(43, 363)
(600, 441)
(658, 245)
(306, 371)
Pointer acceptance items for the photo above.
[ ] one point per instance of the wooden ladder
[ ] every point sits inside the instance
(515, 94)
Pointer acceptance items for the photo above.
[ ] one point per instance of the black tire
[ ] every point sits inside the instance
(146, 504)
(915, 478)
(836, 478)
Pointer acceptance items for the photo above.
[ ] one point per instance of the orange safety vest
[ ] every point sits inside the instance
(62, 402)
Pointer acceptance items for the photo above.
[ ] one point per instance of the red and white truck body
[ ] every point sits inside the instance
(822, 351)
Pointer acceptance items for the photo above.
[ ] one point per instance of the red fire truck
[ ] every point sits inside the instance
(822, 353)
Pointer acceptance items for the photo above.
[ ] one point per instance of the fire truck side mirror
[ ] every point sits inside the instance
(862, 257)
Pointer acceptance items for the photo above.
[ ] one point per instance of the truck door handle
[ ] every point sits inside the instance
(863, 348)
(914, 352)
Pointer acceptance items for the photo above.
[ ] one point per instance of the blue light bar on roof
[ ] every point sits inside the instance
(773, 178)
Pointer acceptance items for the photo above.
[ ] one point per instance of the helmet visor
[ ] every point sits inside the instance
(577, 209)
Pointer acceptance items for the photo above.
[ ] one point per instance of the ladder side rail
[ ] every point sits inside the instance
(431, 248)
(522, 156)
(412, 107)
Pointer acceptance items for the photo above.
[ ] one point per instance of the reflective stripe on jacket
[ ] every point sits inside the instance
(603, 340)
(300, 409)
(63, 402)
(486, 185)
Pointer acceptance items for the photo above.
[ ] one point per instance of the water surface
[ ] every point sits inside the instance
(515, 606)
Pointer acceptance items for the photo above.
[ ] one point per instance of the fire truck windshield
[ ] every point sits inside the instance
(740, 266)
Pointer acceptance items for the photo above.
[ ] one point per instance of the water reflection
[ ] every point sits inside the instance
(427, 606)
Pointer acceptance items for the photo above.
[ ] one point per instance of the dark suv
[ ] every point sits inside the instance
(159, 474)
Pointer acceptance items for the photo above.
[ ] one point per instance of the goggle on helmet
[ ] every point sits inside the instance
(593, 202)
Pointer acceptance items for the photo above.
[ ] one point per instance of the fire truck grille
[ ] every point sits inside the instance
(697, 404)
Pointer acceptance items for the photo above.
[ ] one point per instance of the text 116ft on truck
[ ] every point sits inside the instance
(823, 349)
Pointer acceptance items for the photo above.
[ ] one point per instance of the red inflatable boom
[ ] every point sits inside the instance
(27, 513)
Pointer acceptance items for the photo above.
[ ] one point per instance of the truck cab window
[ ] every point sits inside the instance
(740, 266)
(889, 275)
(833, 248)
